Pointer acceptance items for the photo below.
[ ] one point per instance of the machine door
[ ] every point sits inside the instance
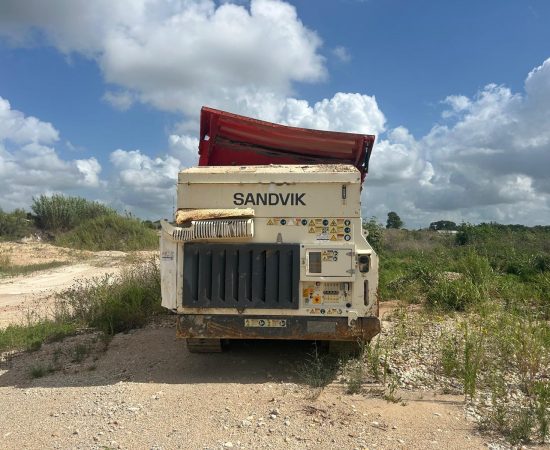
(329, 262)
(241, 275)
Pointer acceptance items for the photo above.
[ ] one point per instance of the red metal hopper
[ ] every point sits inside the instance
(228, 139)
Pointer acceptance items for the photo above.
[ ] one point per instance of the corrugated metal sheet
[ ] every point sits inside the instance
(241, 275)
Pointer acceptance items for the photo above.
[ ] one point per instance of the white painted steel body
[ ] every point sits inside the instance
(317, 207)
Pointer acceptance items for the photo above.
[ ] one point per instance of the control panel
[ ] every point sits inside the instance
(326, 293)
(329, 262)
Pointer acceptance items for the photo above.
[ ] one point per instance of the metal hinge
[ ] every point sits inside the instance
(352, 253)
(351, 271)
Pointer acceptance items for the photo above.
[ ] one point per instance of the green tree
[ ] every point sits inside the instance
(375, 233)
(443, 225)
(394, 221)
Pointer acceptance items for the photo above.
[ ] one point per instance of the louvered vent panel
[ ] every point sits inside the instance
(241, 275)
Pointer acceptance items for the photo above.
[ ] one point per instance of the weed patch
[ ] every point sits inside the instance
(30, 337)
(110, 232)
(58, 213)
(40, 371)
(7, 269)
(114, 305)
(318, 369)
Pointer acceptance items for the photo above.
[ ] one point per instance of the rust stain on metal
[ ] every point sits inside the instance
(232, 327)
(185, 216)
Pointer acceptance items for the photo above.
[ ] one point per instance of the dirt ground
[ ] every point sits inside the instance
(33, 293)
(144, 390)
(147, 391)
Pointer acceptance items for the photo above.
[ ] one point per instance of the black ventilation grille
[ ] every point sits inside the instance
(241, 275)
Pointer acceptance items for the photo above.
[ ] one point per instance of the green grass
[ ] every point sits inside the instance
(15, 225)
(110, 232)
(58, 213)
(114, 306)
(40, 371)
(30, 337)
(109, 305)
(9, 270)
(494, 281)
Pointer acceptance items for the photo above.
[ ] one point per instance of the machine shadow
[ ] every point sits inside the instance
(156, 356)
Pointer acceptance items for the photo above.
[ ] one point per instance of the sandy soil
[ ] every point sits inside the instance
(33, 293)
(146, 391)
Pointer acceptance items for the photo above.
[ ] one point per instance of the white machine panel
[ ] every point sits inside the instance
(329, 262)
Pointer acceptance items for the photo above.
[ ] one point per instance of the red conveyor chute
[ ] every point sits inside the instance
(228, 139)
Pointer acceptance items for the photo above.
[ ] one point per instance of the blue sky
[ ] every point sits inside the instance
(102, 101)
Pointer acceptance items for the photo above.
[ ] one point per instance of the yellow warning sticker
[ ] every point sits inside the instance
(311, 230)
(333, 237)
(333, 223)
(333, 230)
(270, 222)
(311, 223)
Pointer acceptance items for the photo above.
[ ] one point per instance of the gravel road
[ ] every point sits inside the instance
(33, 293)
(143, 390)
(146, 391)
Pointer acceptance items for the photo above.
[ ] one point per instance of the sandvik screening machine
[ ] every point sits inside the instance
(268, 240)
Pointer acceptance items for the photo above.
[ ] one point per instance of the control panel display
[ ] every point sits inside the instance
(329, 262)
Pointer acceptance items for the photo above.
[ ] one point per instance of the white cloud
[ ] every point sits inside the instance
(14, 126)
(489, 162)
(119, 100)
(29, 166)
(178, 56)
(185, 149)
(344, 112)
(458, 103)
(342, 54)
(143, 184)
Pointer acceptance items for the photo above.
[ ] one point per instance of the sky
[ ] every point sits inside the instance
(101, 99)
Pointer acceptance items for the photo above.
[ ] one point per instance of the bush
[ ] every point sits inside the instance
(110, 232)
(475, 267)
(454, 295)
(59, 213)
(114, 305)
(31, 337)
(375, 233)
(14, 225)
(111, 305)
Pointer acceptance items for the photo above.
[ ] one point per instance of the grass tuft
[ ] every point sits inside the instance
(31, 336)
(7, 269)
(114, 305)
(110, 232)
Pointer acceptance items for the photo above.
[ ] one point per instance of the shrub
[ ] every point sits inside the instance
(31, 336)
(475, 267)
(14, 225)
(375, 233)
(114, 305)
(454, 295)
(59, 213)
(110, 232)
(318, 369)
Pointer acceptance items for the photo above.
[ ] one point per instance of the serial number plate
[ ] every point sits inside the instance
(265, 323)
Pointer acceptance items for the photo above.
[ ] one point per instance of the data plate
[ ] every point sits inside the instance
(265, 323)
